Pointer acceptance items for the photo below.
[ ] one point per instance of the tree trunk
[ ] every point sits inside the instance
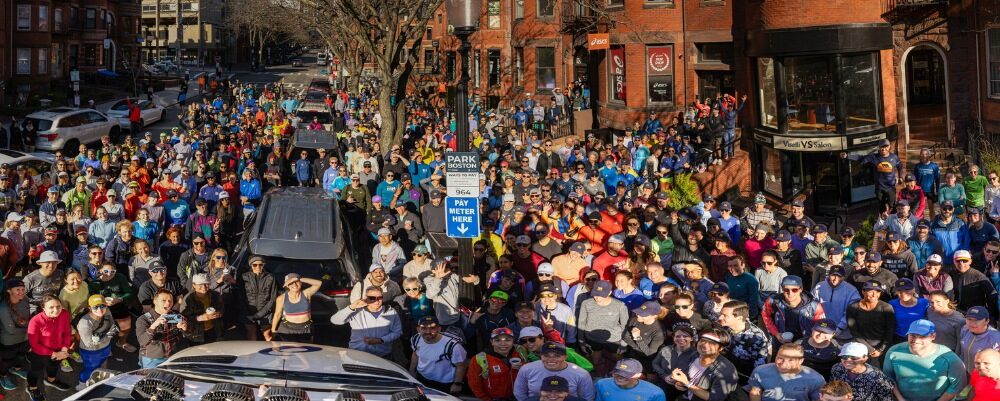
(393, 116)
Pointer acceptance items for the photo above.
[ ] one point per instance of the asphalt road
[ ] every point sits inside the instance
(120, 360)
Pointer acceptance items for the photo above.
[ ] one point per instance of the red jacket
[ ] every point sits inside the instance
(498, 380)
(47, 335)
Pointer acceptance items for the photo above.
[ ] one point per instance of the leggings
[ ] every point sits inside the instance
(42, 367)
(13, 356)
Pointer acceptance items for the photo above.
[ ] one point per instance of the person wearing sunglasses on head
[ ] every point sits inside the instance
(867, 382)
(374, 325)
(790, 315)
(96, 329)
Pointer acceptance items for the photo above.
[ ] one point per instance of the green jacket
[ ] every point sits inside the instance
(571, 356)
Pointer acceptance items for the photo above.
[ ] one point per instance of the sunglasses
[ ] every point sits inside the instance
(527, 340)
(99, 307)
(199, 242)
(791, 290)
(158, 271)
(683, 307)
(412, 289)
(851, 358)
(991, 251)
(372, 299)
(95, 253)
(257, 265)
(548, 295)
(220, 257)
(106, 271)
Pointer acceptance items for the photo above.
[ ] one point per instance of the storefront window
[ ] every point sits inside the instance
(768, 95)
(773, 175)
(858, 83)
(808, 82)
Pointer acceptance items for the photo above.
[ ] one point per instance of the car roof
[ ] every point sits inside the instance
(298, 223)
(53, 112)
(12, 156)
(314, 139)
(291, 357)
(310, 105)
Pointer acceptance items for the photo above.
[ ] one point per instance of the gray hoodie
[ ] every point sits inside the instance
(444, 292)
(102, 329)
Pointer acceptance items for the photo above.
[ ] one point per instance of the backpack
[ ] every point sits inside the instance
(451, 339)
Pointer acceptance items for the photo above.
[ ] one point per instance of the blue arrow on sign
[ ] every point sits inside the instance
(462, 217)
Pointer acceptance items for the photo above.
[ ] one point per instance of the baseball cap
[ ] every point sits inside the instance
(884, 142)
(616, 238)
(13, 283)
(948, 203)
(835, 250)
(837, 270)
(80, 230)
(530, 331)
(202, 278)
(555, 383)
(783, 236)
(872, 285)
(725, 206)
(924, 223)
(546, 267)
(873, 256)
(978, 313)
(384, 231)
(921, 327)
(427, 321)
(500, 295)
(374, 267)
(501, 331)
(854, 349)
(791, 281)
(893, 236)
(552, 347)
(578, 247)
(720, 287)
(963, 254)
(904, 284)
(627, 367)
(819, 228)
(642, 239)
(826, 326)
(524, 305)
(602, 288)
(523, 240)
(648, 308)
(95, 300)
(797, 203)
(973, 210)
(847, 231)
(935, 258)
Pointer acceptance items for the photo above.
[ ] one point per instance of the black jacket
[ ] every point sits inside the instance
(191, 309)
(257, 294)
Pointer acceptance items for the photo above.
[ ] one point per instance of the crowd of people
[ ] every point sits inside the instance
(589, 285)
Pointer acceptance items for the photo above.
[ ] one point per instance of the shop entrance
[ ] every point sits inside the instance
(926, 95)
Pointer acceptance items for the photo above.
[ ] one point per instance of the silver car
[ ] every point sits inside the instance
(66, 128)
(149, 112)
(265, 371)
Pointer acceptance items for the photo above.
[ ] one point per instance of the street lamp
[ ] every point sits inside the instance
(463, 16)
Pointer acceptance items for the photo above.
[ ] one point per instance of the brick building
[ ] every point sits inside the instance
(49, 38)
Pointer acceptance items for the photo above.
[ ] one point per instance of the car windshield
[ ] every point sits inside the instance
(305, 380)
(41, 124)
(315, 96)
(307, 116)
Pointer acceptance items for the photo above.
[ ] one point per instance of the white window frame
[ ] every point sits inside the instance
(990, 55)
(43, 17)
(23, 9)
(43, 60)
(23, 61)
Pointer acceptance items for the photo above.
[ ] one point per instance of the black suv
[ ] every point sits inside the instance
(302, 230)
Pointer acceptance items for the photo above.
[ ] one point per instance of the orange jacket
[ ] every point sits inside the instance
(498, 380)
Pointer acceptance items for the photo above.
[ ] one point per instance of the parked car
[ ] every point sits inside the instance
(297, 62)
(279, 371)
(37, 163)
(150, 112)
(302, 230)
(321, 59)
(65, 128)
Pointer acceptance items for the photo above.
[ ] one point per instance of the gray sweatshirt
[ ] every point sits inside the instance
(102, 329)
(602, 324)
(444, 292)
(364, 323)
(13, 332)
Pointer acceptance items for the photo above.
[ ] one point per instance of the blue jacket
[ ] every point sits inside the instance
(250, 189)
(303, 170)
(419, 170)
(953, 236)
(928, 176)
(776, 313)
(835, 300)
(924, 249)
(979, 236)
(387, 190)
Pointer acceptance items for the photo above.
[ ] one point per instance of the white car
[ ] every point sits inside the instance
(262, 371)
(36, 163)
(149, 112)
(65, 128)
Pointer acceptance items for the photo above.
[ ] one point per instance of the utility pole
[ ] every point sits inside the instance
(180, 32)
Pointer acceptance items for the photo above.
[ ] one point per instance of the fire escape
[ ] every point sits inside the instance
(915, 16)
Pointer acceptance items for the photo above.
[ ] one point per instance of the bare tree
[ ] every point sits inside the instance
(388, 34)
(257, 19)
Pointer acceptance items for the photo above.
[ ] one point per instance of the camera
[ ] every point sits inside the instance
(172, 318)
